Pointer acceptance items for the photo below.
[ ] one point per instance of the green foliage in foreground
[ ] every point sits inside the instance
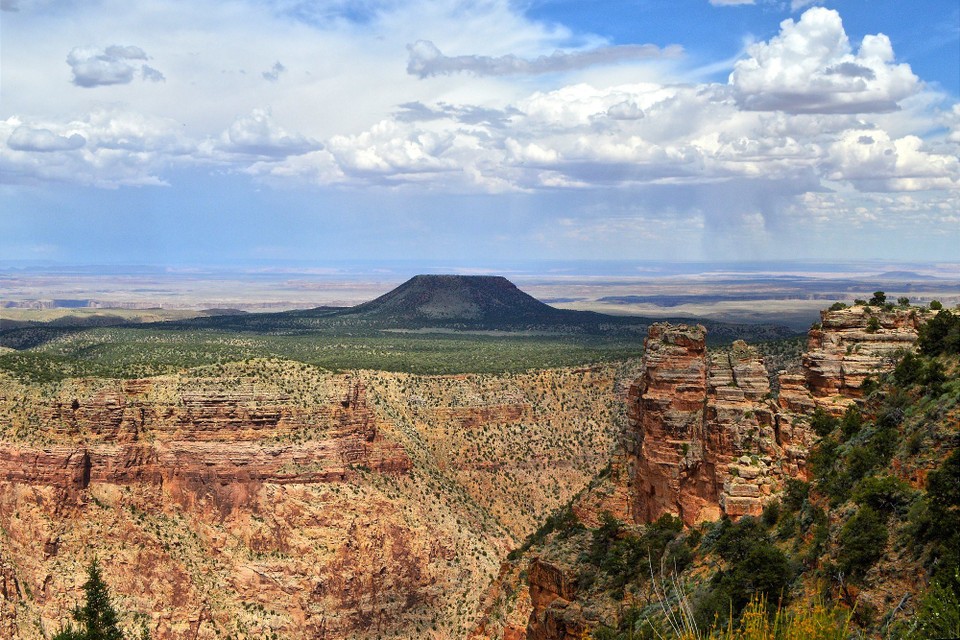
(940, 335)
(129, 352)
(814, 622)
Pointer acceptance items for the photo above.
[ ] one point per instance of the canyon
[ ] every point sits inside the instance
(269, 498)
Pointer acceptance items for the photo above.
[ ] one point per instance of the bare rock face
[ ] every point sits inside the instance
(555, 615)
(707, 439)
(200, 443)
(666, 410)
(851, 344)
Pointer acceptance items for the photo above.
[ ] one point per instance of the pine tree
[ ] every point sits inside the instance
(97, 617)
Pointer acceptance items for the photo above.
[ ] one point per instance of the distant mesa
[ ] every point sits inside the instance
(901, 275)
(485, 300)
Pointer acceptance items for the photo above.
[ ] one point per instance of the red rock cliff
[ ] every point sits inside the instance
(126, 434)
(666, 410)
(706, 437)
(555, 615)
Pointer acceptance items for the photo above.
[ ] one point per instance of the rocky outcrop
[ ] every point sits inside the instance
(705, 435)
(183, 409)
(199, 462)
(61, 466)
(853, 343)
(666, 411)
(555, 615)
(708, 438)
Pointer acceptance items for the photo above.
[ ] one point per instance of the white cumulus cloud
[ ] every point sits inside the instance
(810, 68)
(106, 148)
(258, 134)
(872, 161)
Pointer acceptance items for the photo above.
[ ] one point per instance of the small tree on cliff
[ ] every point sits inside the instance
(97, 617)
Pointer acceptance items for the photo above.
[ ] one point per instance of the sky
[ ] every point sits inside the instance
(181, 133)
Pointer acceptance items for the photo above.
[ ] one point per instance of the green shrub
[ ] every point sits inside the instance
(938, 615)
(754, 567)
(941, 334)
(624, 557)
(909, 370)
(822, 422)
(771, 514)
(852, 422)
(934, 521)
(884, 494)
(789, 526)
(862, 541)
(823, 463)
(878, 300)
(795, 494)
(603, 538)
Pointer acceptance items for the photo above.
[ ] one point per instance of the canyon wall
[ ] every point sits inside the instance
(272, 499)
(851, 344)
(136, 433)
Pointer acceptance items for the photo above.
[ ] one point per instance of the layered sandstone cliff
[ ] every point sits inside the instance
(851, 344)
(704, 438)
(127, 436)
(708, 438)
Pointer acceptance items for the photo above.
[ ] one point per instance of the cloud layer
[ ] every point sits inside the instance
(369, 100)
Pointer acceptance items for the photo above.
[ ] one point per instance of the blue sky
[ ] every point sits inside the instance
(241, 132)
